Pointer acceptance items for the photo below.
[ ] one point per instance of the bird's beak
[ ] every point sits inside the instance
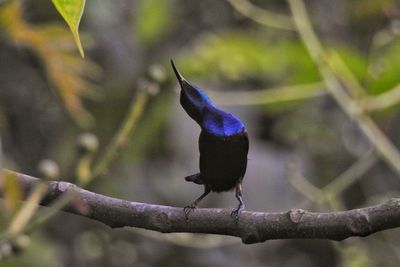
(187, 88)
(178, 74)
(192, 99)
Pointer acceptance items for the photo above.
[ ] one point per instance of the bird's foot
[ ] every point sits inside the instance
(188, 209)
(236, 212)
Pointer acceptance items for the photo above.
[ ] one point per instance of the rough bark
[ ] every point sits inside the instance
(252, 227)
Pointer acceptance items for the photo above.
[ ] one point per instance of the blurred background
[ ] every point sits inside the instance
(305, 151)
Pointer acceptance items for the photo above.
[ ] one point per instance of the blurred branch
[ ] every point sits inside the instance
(252, 227)
(21, 219)
(352, 174)
(122, 135)
(375, 102)
(340, 69)
(301, 184)
(329, 192)
(262, 16)
(270, 95)
(334, 85)
(383, 100)
(43, 216)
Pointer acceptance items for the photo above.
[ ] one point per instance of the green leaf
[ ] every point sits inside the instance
(153, 19)
(71, 11)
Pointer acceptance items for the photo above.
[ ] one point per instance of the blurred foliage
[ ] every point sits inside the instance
(384, 73)
(91, 246)
(12, 192)
(369, 9)
(149, 136)
(54, 46)
(153, 20)
(27, 210)
(72, 11)
(50, 254)
(235, 55)
(308, 128)
(356, 256)
(240, 55)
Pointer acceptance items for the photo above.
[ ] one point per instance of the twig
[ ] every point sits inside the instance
(383, 100)
(340, 69)
(252, 227)
(21, 219)
(270, 95)
(328, 193)
(301, 184)
(352, 174)
(122, 135)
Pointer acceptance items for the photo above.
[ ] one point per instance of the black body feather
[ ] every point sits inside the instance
(223, 161)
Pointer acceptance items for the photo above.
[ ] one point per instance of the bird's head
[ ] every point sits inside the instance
(192, 99)
(200, 108)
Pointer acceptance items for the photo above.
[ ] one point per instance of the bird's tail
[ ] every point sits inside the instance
(195, 178)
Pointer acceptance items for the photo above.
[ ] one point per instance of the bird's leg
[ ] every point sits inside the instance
(191, 207)
(235, 213)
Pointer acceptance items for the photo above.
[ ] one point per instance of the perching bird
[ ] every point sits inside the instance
(223, 145)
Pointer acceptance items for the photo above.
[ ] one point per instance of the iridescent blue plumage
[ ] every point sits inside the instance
(200, 108)
(223, 144)
(221, 123)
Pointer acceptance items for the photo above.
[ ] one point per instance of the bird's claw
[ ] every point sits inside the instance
(236, 212)
(188, 209)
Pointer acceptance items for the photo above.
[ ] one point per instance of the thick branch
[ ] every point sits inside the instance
(252, 227)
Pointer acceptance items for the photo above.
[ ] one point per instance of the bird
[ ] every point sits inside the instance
(223, 145)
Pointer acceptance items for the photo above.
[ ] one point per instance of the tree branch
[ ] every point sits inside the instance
(252, 227)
